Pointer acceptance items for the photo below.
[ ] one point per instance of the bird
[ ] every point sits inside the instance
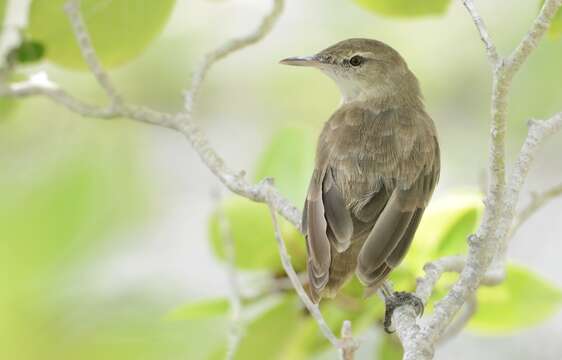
(376, 167)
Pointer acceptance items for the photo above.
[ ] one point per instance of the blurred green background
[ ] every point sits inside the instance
(109, 240)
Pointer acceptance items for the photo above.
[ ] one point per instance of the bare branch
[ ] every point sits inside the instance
(286, 262)
(533, 37)
(459, 323)
(491, 50)
(230, 47)
(72, 8)
(15, 21)
(538, 201)
(235, 294)
(538, 132)
(349, 344)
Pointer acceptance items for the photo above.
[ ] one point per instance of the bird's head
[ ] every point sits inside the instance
(362, 69)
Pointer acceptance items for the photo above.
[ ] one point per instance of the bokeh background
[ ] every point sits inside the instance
(109, 247)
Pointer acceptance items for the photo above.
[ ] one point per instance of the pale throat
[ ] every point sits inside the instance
(357, 90)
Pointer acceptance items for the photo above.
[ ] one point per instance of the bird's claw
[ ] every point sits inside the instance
(397, 299)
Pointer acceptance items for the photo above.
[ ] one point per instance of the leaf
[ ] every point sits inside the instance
(252, 232)
(2, 14)
(120, 29)
(200, 310)
(49, 220)
(556, 25)
(454, 240)
(523, 300)
(266, 337)
(289, 159)
(389, 348)
(444, 227)
(29, 51)
(405, 8)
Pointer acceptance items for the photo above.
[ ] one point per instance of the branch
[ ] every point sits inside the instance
(462, 319)
(228, 48)
(72, 8)
(500, 202)
(482, 29)
(182, 122)
(236, 324)
(262, 192)
(533, 37)
(15, 21)
(347, 344)
(538, 132)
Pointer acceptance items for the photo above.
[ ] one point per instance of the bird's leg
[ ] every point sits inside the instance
(394, 300)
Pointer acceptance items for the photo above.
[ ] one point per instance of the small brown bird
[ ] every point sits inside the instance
(377, 163)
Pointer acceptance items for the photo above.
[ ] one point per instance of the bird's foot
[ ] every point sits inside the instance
(397, 299)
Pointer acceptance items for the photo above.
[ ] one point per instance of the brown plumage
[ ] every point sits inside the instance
(377, 163)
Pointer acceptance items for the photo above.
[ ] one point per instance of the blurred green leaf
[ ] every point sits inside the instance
(444, 227)
(389, 348)
(200, 309)
(120, 29)
(556, 24)
(523, 300)
(2, 13)
(6, 105)
(252, 233)
(29, 51)
(454, 240)
(289, 159)
(405, 8)
(267, 336)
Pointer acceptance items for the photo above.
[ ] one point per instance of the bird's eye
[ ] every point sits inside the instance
(356, 60)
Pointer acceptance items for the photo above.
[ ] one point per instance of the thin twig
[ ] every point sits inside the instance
(228, 48)
(72, 8)
(313, 309)
(491, 50)
(235, 295)
(534, 35)
(349, 344)
(538, 132)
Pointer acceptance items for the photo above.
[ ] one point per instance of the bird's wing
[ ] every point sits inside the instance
(360, 178)
(394, 229)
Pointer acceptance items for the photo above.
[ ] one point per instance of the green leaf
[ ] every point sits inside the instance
(267, 336)
(120, 29)
(289, 159)
(454, 240)
(29, 51)
(252, 232)
(405, 8)
(524, 299)
(556, 25)
(6, 105)
(389, 348)
(2, 14)
(200, 310)
(445, 226)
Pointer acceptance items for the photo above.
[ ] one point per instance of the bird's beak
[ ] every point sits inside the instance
(301, 61)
